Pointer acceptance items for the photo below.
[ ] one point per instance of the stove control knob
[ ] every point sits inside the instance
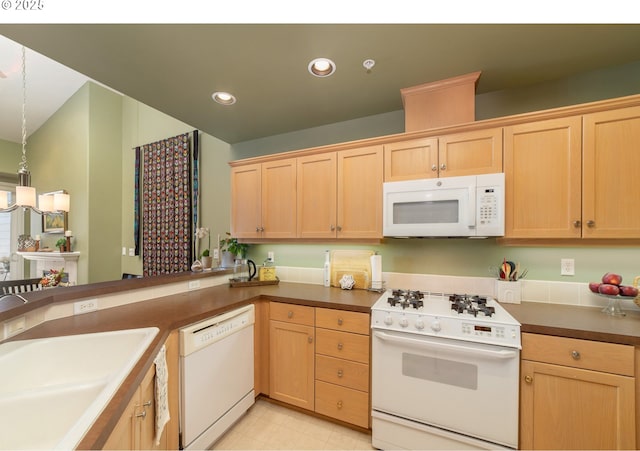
(435, 326)
(388, 320)
(404, 322)
(419, 324)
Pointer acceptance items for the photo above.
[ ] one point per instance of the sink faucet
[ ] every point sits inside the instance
(13, 294)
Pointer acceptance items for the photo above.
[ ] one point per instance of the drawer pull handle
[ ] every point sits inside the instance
(310, 339)
(339, 404)
(528, 379)
(575, 355)
(340, 373)
(290, 314)
(339, 321)
(339, 346)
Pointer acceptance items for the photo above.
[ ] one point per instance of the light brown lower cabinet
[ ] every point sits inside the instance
(136, 427)
(319, 360)
(576, 394)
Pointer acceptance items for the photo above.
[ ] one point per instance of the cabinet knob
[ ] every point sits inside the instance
(146, 404)
(262, 229)
(258, 229)
(575, 355)
(142, 414)
(591, 223)
(340, 346)
(339, 404)
(577, 224)
(339, 321)
(332, 227)
(339, 228)
(443, 166)
(434, 168)
(528, 379)
(289, 314)
(310, 339)
(340, 373)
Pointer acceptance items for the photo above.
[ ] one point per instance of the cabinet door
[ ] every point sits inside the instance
(570, 408)
(470, 153)
(360, 174)
(148, 420)
(542, 162)
(279, 199)
(291, 369)
(317, 187)
(611, 180)
(411, 160)
(124, 435)
(246, 213)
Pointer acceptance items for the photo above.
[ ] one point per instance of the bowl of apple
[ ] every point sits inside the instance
(611, 287)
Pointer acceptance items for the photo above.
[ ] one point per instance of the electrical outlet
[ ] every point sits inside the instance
(567, 267)
(271, 257)
(132, 252)
(194, 284)
(15, 326)
(86, 306)
(216, 254)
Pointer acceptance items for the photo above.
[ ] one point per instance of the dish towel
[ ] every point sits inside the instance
(161, 395)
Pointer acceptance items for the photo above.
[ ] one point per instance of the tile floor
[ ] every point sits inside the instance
(270, 426)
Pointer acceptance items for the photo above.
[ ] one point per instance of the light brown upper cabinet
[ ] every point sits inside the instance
(573, 177)
(542, 162)
(611, 164)
(468, 153)
(263, 200)
(340, 194)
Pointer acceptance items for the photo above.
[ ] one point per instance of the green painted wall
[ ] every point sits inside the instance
(10, 155)
(142, 125)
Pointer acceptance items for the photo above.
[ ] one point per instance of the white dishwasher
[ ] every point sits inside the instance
(216, 371)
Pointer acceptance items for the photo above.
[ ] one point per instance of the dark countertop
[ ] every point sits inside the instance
(572, 321)
(173, 312)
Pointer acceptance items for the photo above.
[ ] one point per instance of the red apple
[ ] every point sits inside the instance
(610, 289)
(612, 279)
(627, 290)
(593, 286)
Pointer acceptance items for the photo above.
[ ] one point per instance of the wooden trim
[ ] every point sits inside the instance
(466, 79)
(568, 242)
(584, 108)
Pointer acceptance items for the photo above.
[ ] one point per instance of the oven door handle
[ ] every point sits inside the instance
(501, 354)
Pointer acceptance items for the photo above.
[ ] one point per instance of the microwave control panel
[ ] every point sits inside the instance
(490, 205)
(487, 206)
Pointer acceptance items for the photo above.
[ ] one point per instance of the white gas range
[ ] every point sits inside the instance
(445, 372)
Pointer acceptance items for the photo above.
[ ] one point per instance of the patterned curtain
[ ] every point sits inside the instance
(166, 206)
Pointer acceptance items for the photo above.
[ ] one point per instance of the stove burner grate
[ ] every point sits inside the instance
(406, 299)
(472, 304)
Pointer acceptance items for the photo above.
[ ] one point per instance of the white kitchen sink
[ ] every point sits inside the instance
(53, 389)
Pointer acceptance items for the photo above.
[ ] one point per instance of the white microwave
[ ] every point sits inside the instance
(468, 206)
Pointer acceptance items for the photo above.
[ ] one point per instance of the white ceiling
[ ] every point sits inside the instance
(49, 85)
(176, 67)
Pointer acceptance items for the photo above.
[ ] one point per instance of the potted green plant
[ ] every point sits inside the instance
(61, 244)
(231, 249)
(205, 258)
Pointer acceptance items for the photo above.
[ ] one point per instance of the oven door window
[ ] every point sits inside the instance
(443, 371)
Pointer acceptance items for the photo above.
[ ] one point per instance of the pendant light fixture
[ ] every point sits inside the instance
(25, 193)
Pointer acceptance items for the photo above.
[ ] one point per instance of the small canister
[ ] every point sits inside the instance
(267, 271)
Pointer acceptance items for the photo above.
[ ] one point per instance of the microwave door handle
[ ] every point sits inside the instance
(471, 212)
(501, 354)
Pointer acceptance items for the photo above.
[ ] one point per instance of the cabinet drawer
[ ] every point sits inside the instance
(343, 345)
(345, 404)
(586, 354)
(343, 320)
(342, 372)
(291, 313)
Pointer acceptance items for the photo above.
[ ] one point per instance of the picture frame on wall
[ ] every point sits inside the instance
(56, 222)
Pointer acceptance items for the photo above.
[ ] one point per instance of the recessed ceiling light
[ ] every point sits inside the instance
(223, 98)
(322, 67)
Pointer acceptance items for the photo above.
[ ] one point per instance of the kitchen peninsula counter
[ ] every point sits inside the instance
(172, 312)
